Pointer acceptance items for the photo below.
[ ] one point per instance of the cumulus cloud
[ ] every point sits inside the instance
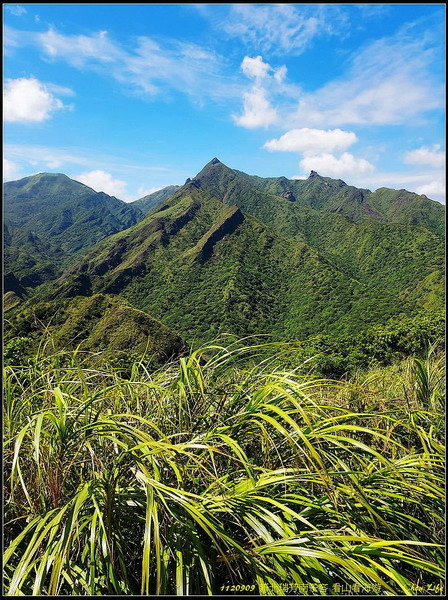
(329, 165)
(101, 181)
(10, 170)
(318, 147)
(391, 81)
(434, 189)
(312, 141)
(255, 68)
(28, 101)
(268, 82)
(432, 156)
(257, 110)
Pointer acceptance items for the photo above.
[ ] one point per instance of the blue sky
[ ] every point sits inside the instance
(131, 98)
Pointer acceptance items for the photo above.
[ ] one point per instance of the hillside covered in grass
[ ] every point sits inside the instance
(104, 324)
(149, 201)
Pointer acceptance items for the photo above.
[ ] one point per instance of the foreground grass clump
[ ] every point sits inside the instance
(218, 473)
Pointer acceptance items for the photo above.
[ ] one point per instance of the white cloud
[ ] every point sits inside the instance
(147, 67)
(268, 82)
(318, 147)
(433, 156)
(255, 68)
(28, 101)
(329, 165)
(387, 82)
(280, 73)
(78, 49)
(390, 81)
(280, 28)
(16, 10)
(257, 110)
(45, 156)
(10, 170)
(59, 89)
(101, 181)
(312, 141)
(434, 190)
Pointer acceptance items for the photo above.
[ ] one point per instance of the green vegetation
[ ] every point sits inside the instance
(49, 217)
(335, 196)
(150, 201)
(380, 345)
(98, 323)
(323, 259)
(252, 279)
(389, 253)
(306, 449)
(224, 468)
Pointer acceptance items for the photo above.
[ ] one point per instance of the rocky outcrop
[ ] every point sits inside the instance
(288, 195)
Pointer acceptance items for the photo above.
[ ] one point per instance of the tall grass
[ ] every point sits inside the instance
(218, 470)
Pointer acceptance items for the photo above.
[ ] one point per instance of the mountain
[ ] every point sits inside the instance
(148, 202)
(204, 268)
(234, 253)
(50, 217)
(223, 255)
(401, 206)
(392, 250)
(97, 323)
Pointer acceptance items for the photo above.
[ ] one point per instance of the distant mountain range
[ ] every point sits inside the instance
(50, 217)
(229, 252)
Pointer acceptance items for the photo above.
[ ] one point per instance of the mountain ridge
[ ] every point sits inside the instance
(235, 253)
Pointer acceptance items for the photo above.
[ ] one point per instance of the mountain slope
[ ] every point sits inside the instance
(320, 193)
(334, 195)
(204, 267)
(49, 217)
(148, 202)
(97, 323)
(407, 208)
